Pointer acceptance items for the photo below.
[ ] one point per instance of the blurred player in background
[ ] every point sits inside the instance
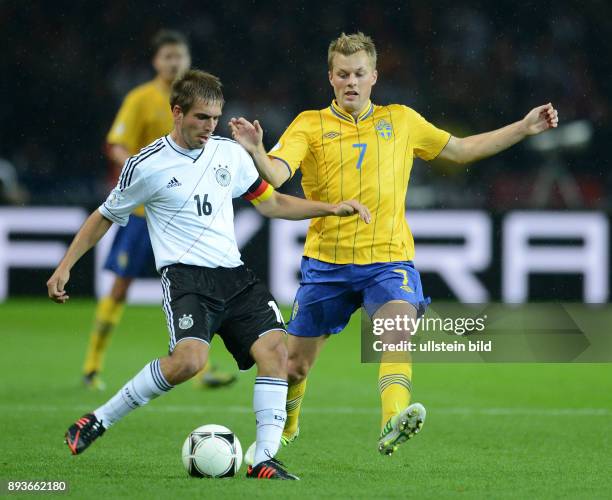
(11, 191)
(355, 149)
(144, 116)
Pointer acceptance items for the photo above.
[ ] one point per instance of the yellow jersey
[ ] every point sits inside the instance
(144, 116)
(368, 159)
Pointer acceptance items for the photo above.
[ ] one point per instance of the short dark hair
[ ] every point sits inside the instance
(167, 37)
(195, 84)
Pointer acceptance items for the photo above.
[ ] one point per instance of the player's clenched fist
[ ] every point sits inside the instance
(540, 119)
(55, 286)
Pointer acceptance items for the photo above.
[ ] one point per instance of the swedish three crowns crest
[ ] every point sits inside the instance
(384, 129)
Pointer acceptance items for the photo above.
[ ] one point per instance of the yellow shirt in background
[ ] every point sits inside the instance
(144, 116)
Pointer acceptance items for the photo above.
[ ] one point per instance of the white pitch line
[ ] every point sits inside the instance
(161, 408)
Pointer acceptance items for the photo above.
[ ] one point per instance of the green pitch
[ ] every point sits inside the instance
(492, 430)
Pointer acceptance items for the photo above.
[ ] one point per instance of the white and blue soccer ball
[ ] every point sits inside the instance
(212, 451)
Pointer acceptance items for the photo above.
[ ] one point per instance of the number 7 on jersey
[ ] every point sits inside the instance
(362, 149)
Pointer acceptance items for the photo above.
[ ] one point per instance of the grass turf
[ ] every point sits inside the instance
(498, 430)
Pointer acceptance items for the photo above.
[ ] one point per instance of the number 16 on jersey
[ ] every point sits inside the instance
(204, 206)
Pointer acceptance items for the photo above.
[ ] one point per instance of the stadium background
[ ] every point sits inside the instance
(468, 67)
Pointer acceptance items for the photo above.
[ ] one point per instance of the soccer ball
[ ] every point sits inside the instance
(212, 451)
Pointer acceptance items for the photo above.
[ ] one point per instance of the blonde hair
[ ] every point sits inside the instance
(350, 44)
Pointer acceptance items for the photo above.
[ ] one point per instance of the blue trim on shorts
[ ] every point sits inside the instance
(330, 293)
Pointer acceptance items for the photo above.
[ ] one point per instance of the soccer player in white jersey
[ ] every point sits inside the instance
(186, 181)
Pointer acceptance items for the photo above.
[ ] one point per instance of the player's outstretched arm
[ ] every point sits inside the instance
(283, 206)
(90, 233)
(250, 137)
(476, 147)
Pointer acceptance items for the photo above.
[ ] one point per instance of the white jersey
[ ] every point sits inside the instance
(187, 196)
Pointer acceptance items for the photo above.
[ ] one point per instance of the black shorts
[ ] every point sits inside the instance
(202, 301)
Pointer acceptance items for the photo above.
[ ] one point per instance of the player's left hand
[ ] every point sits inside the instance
(351, 207)
(56, 284)
(540, 119)
(248, 135)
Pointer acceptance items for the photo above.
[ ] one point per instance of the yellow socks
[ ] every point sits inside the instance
(395, 387)
(108, 314)
(295, 395)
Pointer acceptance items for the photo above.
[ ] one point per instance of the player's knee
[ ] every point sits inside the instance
(297, 369)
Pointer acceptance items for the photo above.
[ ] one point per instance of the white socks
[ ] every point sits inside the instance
(147, 385)
(269, 399)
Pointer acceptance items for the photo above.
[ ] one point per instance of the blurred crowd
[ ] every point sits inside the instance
(468, 67)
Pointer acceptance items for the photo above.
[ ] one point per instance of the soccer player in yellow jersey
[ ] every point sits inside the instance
(356, 149)
(144, 116)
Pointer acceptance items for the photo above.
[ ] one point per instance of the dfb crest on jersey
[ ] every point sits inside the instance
(223, 176)
(185, 322)
(384, 129)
